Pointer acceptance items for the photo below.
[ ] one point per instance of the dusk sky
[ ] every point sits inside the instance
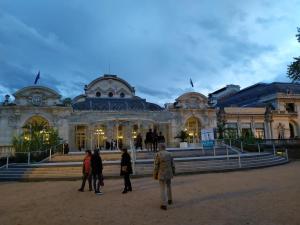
(156, 45)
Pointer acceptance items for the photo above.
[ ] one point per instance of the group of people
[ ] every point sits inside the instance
(92, 170)
(112, 144)
(164, 170)
(153, 139)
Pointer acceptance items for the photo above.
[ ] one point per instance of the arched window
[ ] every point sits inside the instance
(98, 94)
(192, 127)
(36, 124)
(122, 95)
(110, 94)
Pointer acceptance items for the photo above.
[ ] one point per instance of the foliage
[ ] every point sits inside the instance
(36, 137)
(293, 71)
(230, 133)
(248, 138)
(182, 135)
(221, 130)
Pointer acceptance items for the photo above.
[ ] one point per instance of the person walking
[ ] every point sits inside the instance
(126, 170)
(164, 170)
(86, 171)
(97, 168)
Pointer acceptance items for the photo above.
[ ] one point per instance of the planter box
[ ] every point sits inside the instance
(183, 144)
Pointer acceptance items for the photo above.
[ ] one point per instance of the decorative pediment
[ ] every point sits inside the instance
(192, 100)
(37, 96)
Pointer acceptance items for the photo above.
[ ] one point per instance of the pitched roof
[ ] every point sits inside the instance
(250, 96)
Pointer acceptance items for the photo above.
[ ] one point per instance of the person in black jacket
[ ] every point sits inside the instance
(149, 140)
(97, 167)
(154, 140)
(126, 170)
(161, 138)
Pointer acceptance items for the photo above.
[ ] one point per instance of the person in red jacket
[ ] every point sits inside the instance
(86, 171)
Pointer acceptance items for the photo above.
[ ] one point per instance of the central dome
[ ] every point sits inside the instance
(109, 86)
(111, 93)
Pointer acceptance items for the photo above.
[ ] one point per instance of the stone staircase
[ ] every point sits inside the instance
(68, 167)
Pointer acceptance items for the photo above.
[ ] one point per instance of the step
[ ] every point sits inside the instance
(143, 167)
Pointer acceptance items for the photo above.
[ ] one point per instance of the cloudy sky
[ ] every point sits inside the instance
(156, 45)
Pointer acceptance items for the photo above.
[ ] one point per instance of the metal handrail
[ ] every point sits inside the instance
(8, 155)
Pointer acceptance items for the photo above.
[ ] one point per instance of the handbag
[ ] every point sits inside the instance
(124, 168)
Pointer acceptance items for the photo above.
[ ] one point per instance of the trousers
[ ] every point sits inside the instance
(86, 176)
(97, 181)
(165, 191)
(127, 183)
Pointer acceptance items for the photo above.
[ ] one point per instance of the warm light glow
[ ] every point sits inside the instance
(27, 138)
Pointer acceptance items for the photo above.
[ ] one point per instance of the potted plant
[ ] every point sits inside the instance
(183, 135)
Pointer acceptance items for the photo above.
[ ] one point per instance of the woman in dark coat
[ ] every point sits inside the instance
(97, 167)
(126, 170)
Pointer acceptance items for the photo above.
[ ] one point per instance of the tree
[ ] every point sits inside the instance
(36, 137)
(182, 135)
(294, 68)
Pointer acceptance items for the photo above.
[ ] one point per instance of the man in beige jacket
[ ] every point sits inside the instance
(164, 170)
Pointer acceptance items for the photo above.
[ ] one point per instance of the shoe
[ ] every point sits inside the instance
(81, 190)
(129, 189)
(163, 207)
(99, 193)
(124, 192)
(170, 202)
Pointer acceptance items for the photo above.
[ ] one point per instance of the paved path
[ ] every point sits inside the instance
(269, 196)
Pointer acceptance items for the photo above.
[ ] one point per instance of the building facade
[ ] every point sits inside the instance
(108, 109)
(268, 111)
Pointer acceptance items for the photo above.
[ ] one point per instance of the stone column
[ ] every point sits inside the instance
(90, 137)
(128, 134)
(71, 137)
(252, 126)
(109, 130)
(267, 129)
(239, 129)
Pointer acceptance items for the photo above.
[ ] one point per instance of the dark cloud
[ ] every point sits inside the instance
(156, 46)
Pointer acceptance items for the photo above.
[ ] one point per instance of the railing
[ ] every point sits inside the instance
(4, 149)
(274, 146)
(32, 157)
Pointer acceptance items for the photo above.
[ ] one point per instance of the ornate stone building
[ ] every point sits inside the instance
(107, 110)
(269, 111)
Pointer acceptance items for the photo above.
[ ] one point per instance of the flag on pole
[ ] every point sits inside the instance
(37, 78)
(191, 82)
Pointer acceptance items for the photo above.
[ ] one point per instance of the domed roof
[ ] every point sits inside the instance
(109, 85)
(111, 93)
(110, 77)
(114, 104)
